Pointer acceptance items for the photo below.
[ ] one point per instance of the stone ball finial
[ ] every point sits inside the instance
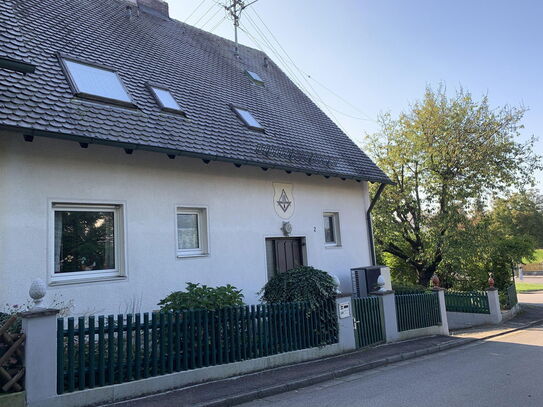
(491, 281)
(435, 281)
(37, 291)
(337, 281)
(381, 282)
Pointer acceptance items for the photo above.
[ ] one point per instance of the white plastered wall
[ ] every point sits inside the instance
(240, 212)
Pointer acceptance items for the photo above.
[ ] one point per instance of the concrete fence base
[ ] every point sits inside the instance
(460, 320)
(41, 364)
(390, 324)
(156, 384)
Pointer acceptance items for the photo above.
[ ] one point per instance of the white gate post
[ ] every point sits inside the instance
(389, 319)
(40, 327)
(347, 340)
(443, 310)
(494, 305)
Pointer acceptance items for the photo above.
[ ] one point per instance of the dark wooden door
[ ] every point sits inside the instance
(287, 254)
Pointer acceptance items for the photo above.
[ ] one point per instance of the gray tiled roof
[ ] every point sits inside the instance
(200, 70)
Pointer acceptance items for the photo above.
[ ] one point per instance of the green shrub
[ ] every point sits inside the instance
(408, 288)
(198, 296)
(300, 284)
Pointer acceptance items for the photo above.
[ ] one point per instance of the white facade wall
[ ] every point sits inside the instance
(240, 213)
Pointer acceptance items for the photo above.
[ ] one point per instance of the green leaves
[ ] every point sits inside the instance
(199, 296)
(300, 284)
(449, 156)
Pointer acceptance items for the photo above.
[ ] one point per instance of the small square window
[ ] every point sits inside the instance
(248, 119)
(92, 81)
(331, 229)
(165, 100)
(255, 77)
(88, 242)
(191, 232)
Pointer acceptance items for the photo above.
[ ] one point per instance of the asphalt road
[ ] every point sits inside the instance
(505, 371)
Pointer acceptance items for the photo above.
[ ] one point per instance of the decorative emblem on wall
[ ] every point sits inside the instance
(283, 200)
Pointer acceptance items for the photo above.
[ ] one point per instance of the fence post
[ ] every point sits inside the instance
(347, 339)
(494, 305)
(389, 318)
(40, 327)
(442, 310)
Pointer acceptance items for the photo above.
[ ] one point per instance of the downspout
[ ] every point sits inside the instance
(370, 227)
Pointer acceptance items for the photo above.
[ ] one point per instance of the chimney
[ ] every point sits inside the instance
(158, 8)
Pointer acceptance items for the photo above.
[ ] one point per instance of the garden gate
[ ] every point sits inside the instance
(368, 323)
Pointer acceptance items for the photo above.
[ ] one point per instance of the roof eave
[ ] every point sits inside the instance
(171, 151)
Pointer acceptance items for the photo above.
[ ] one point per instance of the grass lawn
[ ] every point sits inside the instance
(528, 287)
(538, 257)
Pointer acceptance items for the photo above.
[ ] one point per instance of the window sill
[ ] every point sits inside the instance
(191, 255)
(82, 280)
(332, 246)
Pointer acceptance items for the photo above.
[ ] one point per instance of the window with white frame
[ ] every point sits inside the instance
(87, 242)
(191, 232)
(331, 229)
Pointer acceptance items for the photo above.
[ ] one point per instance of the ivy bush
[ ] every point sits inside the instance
(198, 296)
(300, 284)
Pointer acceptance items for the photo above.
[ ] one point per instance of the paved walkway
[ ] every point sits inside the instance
(500, 372)
(263, 384)
(251, 386)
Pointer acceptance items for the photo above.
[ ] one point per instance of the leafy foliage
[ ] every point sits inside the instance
(520, 214)
(300, 284)
(449, 156)
(199, 296)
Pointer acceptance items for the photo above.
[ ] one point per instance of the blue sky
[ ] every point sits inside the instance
(379, 55)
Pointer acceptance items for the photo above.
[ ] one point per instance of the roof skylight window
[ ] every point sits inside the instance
(165, 99)
(255, 77)
(96, 82)
(248, 119)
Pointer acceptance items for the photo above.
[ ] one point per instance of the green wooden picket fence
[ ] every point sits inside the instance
(109, 350)
(369, 328)
(415, 311)
(475, 302)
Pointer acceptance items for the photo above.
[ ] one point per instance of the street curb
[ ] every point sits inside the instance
(309, 381)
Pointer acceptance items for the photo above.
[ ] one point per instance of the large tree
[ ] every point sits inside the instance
(448, 155)
(521, 214)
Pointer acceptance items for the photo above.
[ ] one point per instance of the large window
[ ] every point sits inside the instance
(191, 232)
(96, 82)
(87, 242)
(331, 229)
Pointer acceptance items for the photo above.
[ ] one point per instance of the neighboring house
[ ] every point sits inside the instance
(138, 153)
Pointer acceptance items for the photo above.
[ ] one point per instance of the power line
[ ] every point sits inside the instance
(203, 15)
(343, 99)
(286, 67)
(235, 9)
(210, 18)
(277, 54)
(195, 10)
(218, 24)
(338, 123)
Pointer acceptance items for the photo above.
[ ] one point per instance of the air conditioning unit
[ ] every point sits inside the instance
(364, 280)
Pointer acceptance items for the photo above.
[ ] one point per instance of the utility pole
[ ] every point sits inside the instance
(234, 9)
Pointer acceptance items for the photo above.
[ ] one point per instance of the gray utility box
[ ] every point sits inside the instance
(364, 280)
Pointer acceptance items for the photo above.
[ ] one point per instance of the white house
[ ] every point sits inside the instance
(138, 153)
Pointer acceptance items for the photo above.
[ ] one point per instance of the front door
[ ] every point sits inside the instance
(284, 254)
